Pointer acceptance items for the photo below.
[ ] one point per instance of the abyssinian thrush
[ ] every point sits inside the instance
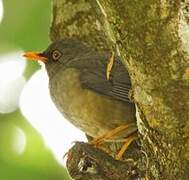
(82, 92)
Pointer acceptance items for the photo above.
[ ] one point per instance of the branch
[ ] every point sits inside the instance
(86, 162)
(151, 37)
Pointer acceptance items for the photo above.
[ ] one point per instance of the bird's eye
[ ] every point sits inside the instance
(56, 55)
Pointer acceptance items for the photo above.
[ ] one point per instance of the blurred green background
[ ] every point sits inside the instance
(25, 26)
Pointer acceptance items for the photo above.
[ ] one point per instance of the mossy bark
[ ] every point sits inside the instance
(152, 38)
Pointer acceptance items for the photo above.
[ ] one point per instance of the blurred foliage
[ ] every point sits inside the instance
(25, 26)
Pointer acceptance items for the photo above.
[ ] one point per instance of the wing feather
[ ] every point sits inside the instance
(116, 87)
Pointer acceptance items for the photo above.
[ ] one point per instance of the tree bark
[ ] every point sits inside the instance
(152, 37)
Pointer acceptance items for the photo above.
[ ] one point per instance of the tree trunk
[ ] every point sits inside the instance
(152, 37)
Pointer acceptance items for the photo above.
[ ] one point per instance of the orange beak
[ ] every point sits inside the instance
(35, 56)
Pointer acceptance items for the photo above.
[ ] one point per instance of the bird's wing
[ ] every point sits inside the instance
(118, 85)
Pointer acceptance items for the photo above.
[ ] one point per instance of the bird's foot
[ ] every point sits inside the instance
(108, 136)
(128, 141)
(96, 142)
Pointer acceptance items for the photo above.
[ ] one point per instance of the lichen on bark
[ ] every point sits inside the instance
(76, 19)
(152, 38)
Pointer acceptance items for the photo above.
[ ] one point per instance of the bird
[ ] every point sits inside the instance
(90, 93)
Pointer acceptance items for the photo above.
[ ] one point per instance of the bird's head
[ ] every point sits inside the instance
(60, 54)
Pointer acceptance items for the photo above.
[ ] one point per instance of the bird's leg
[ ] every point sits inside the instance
(109, 66)
(128, 141)
(96, 142)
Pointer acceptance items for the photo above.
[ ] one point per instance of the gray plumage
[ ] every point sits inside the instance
(93, 69)
(81, 91)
